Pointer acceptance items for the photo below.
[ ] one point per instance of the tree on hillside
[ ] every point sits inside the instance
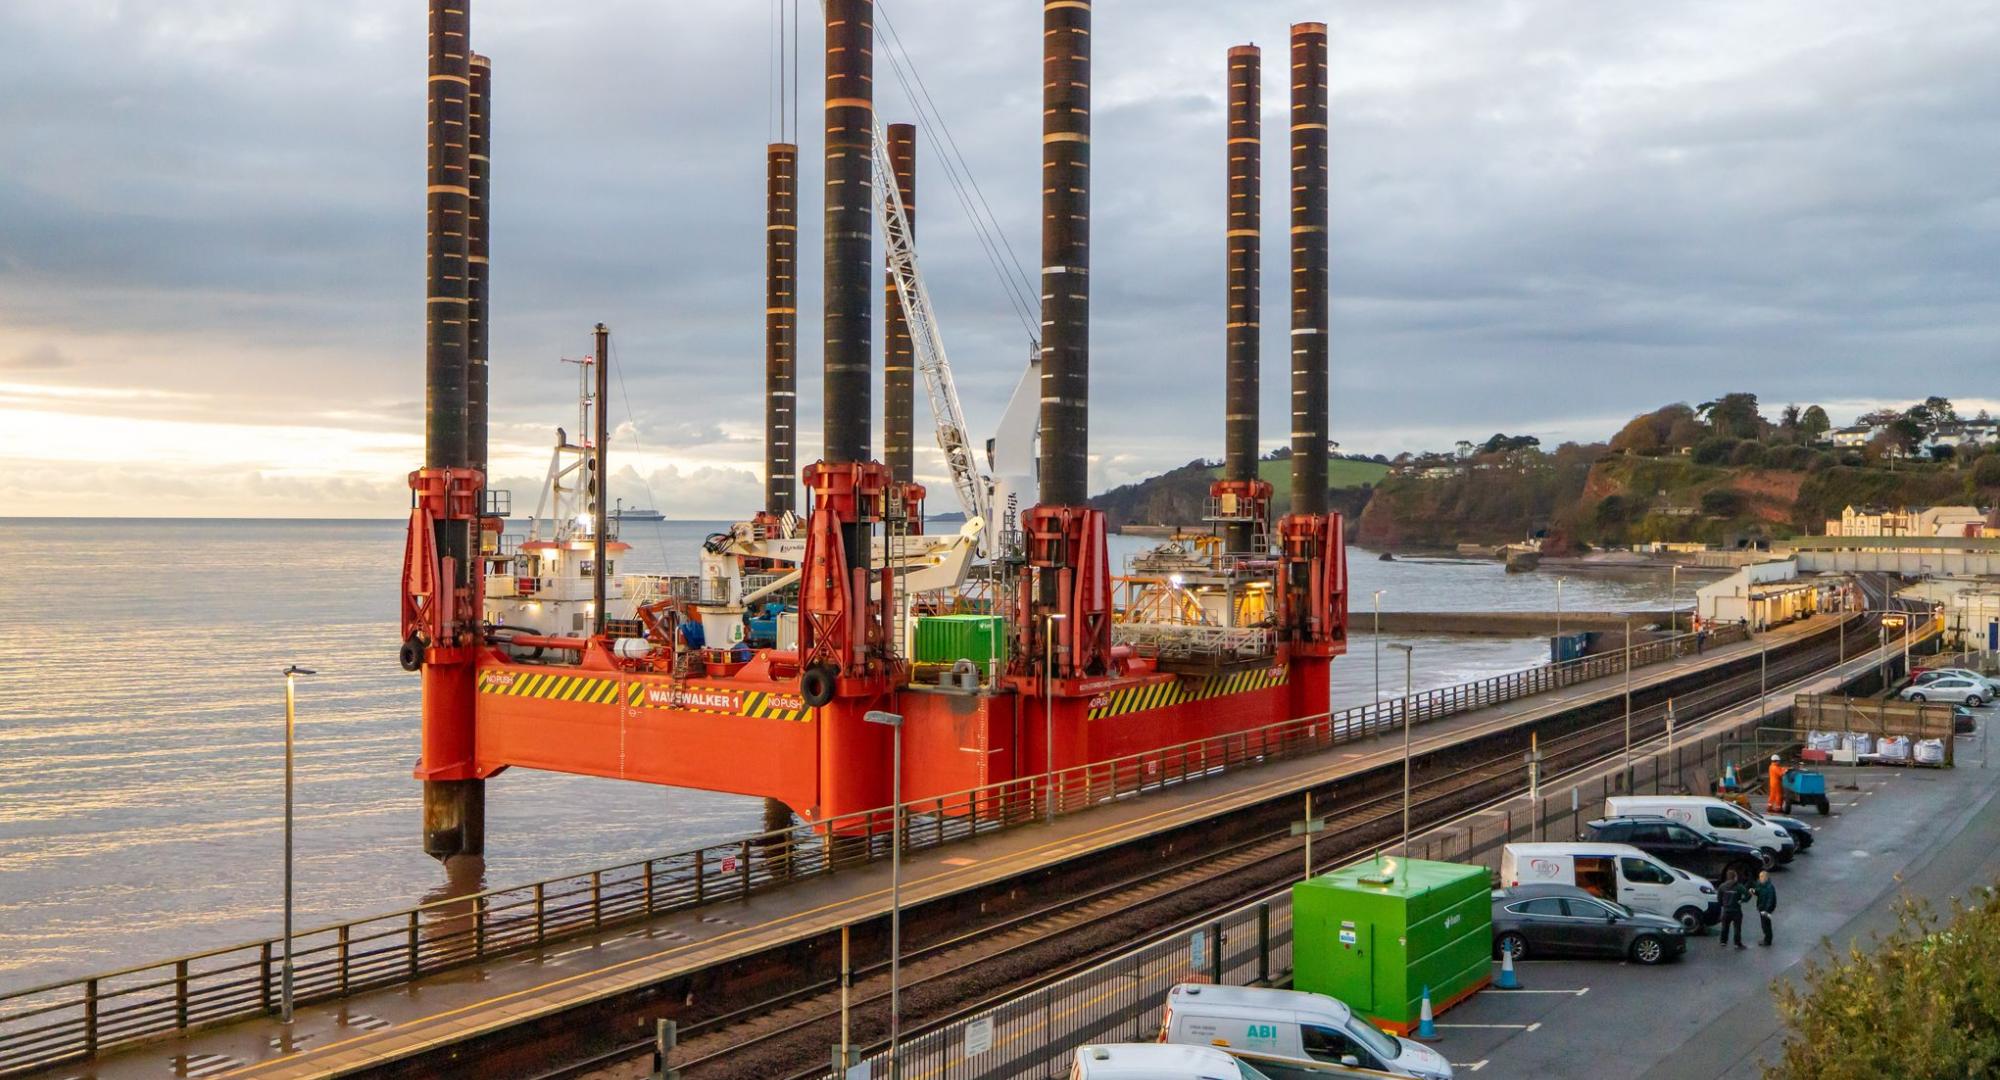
(1500, 444)
(1878, 418)
(1940, 410)
(1734, 415)
(1918, 1001)
(1660, 430)
(1788, 422)
(1813, 423)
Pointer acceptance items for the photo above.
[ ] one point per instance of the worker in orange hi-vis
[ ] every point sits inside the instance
(1774, 798)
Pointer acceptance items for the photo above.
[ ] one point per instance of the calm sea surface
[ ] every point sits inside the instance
(141, 730)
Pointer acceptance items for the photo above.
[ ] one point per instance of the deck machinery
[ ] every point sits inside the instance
(1081, 682)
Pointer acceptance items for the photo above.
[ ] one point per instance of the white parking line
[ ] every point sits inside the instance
(1470, 1066)
(1536, 1026)
(1572, 993)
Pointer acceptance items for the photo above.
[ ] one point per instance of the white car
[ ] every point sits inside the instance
(1926, 677)
(1152, 1061)
(1953, 688)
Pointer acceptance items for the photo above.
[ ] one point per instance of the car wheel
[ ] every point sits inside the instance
(1690, 919)
(1825, 807)
(1972, 701)
(1770, 858)
(1916, 697)
(1648, 949)
(1511, 944)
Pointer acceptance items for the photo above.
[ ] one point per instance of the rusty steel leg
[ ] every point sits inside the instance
(454, 817)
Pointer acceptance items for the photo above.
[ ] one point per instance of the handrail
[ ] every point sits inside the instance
(81, 1017)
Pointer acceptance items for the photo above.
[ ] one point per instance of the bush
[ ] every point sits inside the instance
(1919, 1002)
(1722, 502)
(1986, 473)
(1612, 510)
(1822, 462)
(1747, 453)
(1713, 451)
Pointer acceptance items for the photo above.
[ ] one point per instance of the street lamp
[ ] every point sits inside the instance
(1673, 598)
(894, 722)
(1559, 605)
(1378, 645)
(1409, 656)
(292, 674)
(1049, 709)
(1628, 705)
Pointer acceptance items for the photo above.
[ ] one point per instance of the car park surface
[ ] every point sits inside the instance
(1712, 1015)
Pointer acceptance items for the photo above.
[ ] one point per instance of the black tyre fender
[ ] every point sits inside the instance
(1648, 949)
(411, 655)
(1511, 942)
(1825, 805)
(817, 683)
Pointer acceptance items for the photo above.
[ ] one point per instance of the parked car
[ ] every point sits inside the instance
(1962, 721)
(1801, 832)
(1934, 674)
(1618, 872)
(1548, 920)
(1151, 1061)
(1708, 814)
(1950, 688)
(1680, 845)
(1279, 1026)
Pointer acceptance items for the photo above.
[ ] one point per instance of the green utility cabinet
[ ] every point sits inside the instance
(945, 639)
(1375, 935)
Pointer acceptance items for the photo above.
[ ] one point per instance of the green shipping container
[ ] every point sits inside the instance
(943, 639)
(1376, 934)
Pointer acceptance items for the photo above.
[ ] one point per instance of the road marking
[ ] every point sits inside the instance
(1509, 1027)
(569, 952)
(1470, 1066)
(1572, 993)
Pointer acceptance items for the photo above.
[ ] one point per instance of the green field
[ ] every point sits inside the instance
(1340, 473)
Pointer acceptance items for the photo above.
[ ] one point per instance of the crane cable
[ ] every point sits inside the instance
(1022, 294)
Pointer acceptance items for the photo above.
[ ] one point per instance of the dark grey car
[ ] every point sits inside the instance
(1548, 920)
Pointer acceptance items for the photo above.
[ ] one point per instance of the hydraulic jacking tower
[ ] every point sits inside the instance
(1077, 681)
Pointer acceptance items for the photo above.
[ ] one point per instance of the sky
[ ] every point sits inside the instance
(1548, 215)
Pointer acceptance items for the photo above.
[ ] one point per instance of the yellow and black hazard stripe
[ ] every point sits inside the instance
(595, 690)
(551, 686)
(1175, 691)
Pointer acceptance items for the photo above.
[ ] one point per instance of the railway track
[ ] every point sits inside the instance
(787, 1034)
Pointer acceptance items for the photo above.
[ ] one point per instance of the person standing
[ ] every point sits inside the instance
(1733, 895)
(1767, 902)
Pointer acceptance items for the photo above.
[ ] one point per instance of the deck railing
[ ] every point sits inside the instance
(80, 1018)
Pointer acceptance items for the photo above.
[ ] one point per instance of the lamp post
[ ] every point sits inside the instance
(1409, 654)
(1899, 623)
(1049, 711)
(1673, 598)
(292, 674)
(1628, 705)
(1559, 605)
(1377, 635)
(894, 722)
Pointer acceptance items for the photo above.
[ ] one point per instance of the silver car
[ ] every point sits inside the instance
(1953, 688)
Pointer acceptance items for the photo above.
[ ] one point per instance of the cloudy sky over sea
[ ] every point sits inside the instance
(1548, 215)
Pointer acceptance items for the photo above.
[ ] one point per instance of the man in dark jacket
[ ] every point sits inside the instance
(1767, 902)
(1732, 896)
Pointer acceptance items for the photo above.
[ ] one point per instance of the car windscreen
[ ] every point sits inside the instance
(1381, 1045)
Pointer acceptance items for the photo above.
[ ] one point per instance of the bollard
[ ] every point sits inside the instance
(1507, 981)
(666, 1035)
(1426, 1028)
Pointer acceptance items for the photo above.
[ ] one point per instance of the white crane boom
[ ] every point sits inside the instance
(975, 492)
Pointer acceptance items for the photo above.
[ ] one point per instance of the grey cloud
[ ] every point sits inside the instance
(1547, 209)
(39, 358)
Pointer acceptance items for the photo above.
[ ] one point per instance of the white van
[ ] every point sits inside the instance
(1282, 1025)
(1618, 872)
(1151, 1061)
(1722, 820)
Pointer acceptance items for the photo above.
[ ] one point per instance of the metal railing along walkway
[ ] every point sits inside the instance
(81, 1018)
